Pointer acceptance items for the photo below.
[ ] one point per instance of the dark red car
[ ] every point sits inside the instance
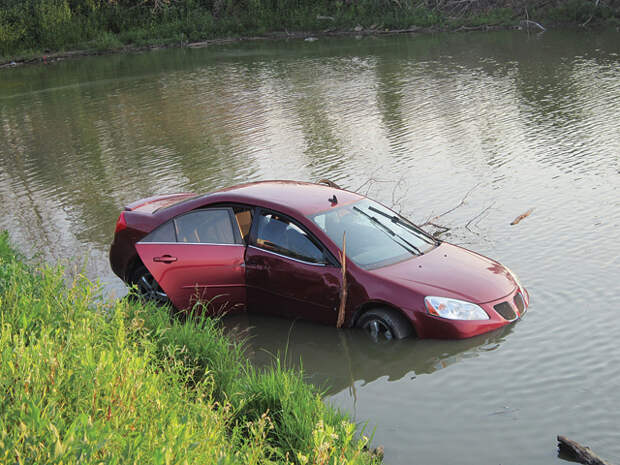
(275, 247)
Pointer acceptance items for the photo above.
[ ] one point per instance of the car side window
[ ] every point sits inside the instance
(164, 233)
(209, 226)
(277, 233)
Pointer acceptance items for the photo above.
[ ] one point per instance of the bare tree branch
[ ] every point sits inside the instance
(477, 217)
(369, 182)
(579, 452)
(461, 203)
(396, 201)
(591, 16)
(329, 183)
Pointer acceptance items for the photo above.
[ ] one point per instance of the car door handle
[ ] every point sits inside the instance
(255, 267)
(165, 259)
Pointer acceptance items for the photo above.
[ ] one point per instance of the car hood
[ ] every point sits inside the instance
(451, 271)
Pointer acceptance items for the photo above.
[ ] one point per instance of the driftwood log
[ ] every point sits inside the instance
(528, 22)
(522, 216)
(329, 183)
(581, 453)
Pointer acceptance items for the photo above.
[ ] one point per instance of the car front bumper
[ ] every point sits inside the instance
(502, 312)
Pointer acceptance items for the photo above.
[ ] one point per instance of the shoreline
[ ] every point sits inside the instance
(34, 33)
(527, 26)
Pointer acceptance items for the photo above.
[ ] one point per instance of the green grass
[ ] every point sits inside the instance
(87, 380)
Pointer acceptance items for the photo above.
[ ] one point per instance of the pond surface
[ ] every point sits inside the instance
(519, 121)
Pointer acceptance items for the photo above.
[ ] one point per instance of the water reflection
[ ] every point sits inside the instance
(338, 360)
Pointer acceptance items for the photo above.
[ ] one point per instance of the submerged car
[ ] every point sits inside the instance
(276, 247)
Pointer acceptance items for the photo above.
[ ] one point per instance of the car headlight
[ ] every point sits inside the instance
(453, 309)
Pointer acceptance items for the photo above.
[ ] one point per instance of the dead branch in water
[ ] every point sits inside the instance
(528, 22)
(430, 221)
(368, 184)
(343, 292)
(522, 216)
(329, 183)
(440, 228)
(477, 217)
(581, 453)
(396, 201)
(591, 16)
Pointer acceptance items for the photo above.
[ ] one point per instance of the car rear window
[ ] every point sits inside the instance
(164, 233)
(208, 226)
(205, 226)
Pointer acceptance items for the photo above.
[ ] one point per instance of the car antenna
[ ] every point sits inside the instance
(333, 200)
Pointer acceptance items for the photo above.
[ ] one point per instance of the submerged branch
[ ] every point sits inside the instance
(477, 217)
(440, 228)
(585, 23)
(396, 200)
(369, 182)
(581, 453)
(528, 22)
(430, 220)
(329, 183)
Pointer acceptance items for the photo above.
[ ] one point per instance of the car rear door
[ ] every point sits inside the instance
(198, 257)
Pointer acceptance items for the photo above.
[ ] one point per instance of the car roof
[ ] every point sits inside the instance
(302, 197)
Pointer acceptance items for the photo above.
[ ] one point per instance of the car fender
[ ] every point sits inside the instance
(377, 303)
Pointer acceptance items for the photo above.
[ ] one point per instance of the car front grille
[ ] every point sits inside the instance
(519, 303)
(506, 311)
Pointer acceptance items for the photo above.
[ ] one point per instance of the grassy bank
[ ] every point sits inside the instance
(87, 380)
(31, 27)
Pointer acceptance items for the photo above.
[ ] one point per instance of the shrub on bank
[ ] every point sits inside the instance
(107, 24)
(87, 380)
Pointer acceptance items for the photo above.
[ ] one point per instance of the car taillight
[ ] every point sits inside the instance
(121, 223)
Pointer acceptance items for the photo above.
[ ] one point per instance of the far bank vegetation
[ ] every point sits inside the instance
(47, 26)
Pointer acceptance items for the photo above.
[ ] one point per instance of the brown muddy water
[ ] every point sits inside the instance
(526, 121)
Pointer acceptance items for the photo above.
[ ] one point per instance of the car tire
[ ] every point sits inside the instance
(385, 323)
(147, 289)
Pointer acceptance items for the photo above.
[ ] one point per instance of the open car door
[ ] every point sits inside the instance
(198, 257)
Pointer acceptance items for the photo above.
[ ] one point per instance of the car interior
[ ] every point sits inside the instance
(280, 235)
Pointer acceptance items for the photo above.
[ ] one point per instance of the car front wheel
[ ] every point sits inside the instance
(385, 323)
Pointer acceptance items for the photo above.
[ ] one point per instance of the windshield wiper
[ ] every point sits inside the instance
(406, 224)
(392, 233)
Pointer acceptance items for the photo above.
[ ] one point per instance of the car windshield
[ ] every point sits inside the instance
(376, 236)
